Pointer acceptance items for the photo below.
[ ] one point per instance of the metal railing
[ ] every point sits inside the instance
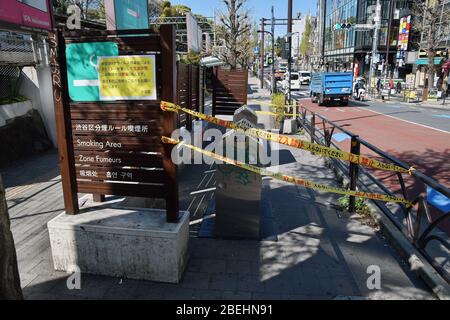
(414, 216)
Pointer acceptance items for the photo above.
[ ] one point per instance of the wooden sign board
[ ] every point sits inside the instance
(113, 146)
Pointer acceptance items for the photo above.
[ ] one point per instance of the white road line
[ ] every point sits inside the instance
(202, 191)
(339, 109)
(422, 125)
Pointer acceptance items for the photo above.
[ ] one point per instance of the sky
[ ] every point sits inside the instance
(257, 9)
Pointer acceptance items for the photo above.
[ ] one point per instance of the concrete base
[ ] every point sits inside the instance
(290, 126)
(121, 242)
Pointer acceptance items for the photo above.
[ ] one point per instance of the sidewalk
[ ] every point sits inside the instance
(318, 252)
(398, 99)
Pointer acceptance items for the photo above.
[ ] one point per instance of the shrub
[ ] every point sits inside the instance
(278, 102)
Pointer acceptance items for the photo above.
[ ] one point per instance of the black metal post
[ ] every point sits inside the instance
(289, 31)
(355, 148)
(313, 127)
(262, 54)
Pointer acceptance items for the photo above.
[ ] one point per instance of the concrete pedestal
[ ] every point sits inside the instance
(290, 126)
(121, 242)
(238, 203)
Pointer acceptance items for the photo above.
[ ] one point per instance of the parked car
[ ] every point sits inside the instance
(330, 86)
(305, 77)
(295, 81)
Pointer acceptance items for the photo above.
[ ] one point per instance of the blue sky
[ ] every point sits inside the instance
(257, 8)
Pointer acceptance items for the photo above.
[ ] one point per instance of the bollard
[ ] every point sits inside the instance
(355, 148)
(313, 127)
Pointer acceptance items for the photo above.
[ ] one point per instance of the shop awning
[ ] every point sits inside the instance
(422, 61)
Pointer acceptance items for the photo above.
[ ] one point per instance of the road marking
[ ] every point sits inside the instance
(341, 136)
(339, 109)
(419, 124)
(445, 116)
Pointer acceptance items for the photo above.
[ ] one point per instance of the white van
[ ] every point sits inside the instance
(305, 77)
(295, 81)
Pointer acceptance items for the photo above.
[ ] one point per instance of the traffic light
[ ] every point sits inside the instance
(343, 26)
(270, 61)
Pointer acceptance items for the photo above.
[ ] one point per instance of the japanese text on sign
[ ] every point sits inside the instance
(127, 78)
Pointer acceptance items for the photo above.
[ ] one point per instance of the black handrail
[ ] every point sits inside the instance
(413, 225)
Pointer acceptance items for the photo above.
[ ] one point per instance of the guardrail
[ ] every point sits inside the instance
(420, 237)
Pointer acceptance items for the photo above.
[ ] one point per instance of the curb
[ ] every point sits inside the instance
(417, 263)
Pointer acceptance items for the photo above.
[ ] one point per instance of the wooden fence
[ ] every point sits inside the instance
(114, 147)
(229, 90)
(190, 90)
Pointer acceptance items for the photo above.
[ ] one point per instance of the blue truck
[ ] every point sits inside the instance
(330, 86)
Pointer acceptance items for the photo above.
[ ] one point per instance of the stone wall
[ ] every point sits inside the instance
(23, 136)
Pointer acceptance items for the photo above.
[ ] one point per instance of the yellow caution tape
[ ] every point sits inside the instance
(291, 142)
(290, 179)
(271, 104)
(269, 113)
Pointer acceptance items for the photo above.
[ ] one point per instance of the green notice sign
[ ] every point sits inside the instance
(82, 68)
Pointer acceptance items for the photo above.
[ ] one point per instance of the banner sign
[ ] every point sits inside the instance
(403, 39)
(127, 77)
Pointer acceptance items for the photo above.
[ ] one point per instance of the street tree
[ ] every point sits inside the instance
(154, 8)
(235, 29)
(432, 20)
(89, 9)
(305, 45)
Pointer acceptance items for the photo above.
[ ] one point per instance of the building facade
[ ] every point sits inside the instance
(350, 50)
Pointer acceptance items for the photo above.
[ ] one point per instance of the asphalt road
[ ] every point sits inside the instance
(430, 118)
(416, 135)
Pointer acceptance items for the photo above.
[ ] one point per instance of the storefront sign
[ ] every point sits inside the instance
(29, 13)
(127, 78)
(410, 79)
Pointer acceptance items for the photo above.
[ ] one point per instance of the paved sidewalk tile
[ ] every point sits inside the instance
(317, 254)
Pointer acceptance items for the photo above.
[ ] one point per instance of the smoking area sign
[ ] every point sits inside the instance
(127, 78)
(82, 68)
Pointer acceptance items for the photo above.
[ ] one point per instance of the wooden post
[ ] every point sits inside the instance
(214, 80)
(63, 123)
(9, 272)
(202, 89)
(189, 118)
(169, 93)
(197, 88)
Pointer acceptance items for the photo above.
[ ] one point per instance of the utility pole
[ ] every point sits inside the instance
(262, 54)
(377, 21)
(388, 44)
(289, 31)
(274, 84)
